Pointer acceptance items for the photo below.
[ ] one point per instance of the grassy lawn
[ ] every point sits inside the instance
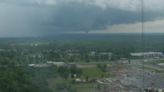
(90, 72)
(83, 87)
(78, 87)
(93, 72)
(54, 82)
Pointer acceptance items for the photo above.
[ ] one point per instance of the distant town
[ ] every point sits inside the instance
(82, 66)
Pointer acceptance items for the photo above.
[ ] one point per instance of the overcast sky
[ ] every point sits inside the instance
(48, 17)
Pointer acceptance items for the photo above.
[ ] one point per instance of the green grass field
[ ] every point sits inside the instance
(93, 72)
(77, 87)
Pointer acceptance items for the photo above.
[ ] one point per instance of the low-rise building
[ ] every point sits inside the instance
(105, 55)
(58, 64)
(39, 65)
(147, 54)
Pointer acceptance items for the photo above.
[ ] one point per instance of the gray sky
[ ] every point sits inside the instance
(48, 17)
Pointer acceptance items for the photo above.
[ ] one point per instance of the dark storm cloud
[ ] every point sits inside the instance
(84, 17)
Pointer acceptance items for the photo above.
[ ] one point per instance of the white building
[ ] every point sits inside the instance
(58, 64)
(147, 54)
(39, 65)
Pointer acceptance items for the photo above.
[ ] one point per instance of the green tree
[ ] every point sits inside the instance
(102, 67)
(64, 72)
(15, 78)
(75, 70)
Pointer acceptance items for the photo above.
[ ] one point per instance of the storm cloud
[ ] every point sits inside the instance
(43, 17)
